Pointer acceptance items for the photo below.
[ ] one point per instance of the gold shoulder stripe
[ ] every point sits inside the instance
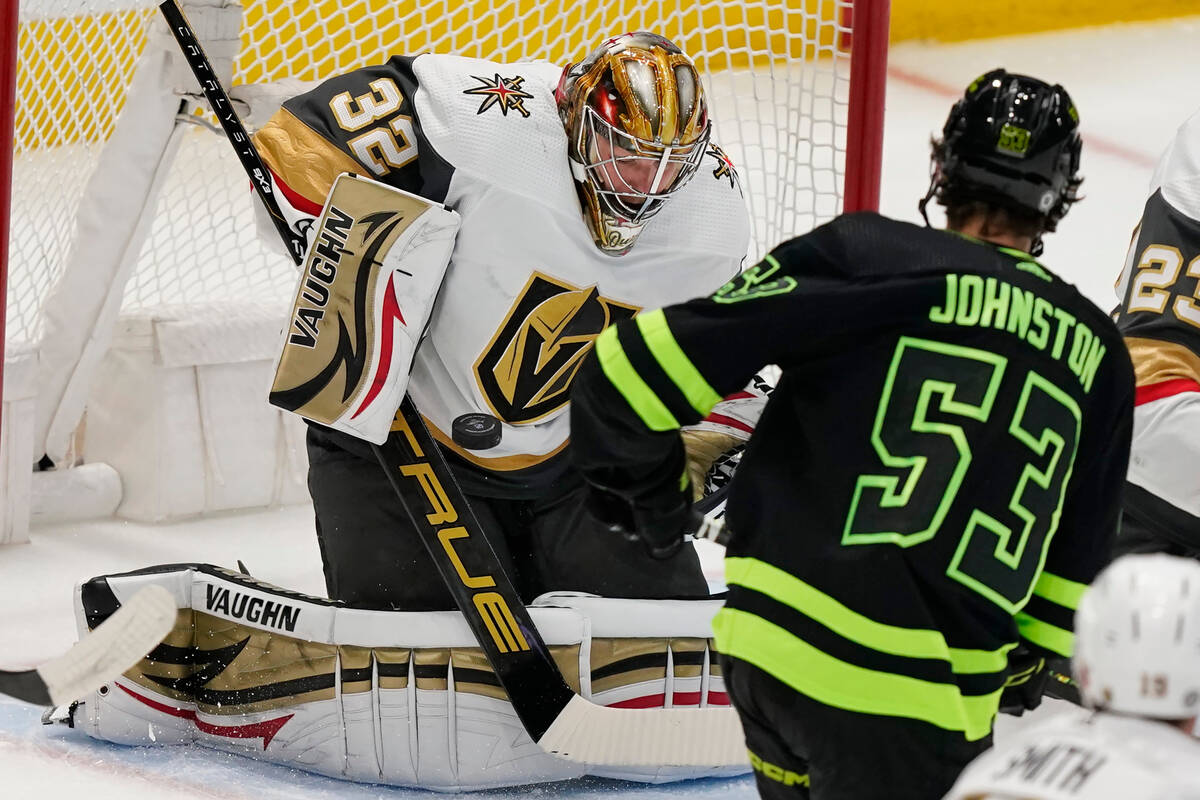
(1155, 361)
(306, 161)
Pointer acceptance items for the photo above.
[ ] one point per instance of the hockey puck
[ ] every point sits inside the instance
(476, 431)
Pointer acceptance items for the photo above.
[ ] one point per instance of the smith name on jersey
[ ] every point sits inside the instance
(1082, 755)
(527, 290)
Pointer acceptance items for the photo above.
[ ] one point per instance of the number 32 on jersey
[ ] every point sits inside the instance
(386, 146)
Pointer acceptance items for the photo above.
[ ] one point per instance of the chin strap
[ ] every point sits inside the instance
(1035, 247)
(924, 201)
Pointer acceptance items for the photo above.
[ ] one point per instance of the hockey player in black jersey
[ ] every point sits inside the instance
(934, 481)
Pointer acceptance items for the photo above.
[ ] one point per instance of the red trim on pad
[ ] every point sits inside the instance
(264, 730)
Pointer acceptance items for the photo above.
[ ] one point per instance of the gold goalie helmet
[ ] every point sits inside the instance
(637, 127)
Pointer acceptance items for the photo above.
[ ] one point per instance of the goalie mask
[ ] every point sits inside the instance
(1011, 141)
(637, 127)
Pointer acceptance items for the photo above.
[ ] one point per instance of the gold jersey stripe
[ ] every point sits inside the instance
(306, 161)
(1156, 361)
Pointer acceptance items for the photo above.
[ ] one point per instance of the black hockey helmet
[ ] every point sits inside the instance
(1012, 141)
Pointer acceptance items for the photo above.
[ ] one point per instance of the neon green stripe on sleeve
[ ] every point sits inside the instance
(1059, 590)
(840, 684)
(679, 368)
(1043, 634)
(862, 630)
(625, 378)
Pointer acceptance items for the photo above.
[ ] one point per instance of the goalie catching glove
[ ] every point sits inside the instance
(373, 268)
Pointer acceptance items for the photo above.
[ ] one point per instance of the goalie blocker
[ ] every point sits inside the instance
(375, 262)
(392, 697)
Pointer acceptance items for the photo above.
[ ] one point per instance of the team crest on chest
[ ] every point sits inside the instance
(526, 370)
(502, 93)
(724, 167)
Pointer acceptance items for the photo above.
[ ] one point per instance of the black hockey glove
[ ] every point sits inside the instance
(1026, 682)
(658, 516)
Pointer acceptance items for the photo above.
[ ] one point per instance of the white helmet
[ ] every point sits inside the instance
(1137, 638)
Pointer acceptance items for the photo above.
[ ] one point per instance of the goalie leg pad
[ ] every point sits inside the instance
(399, 698)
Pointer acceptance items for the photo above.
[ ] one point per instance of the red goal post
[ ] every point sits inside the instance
(122, 208)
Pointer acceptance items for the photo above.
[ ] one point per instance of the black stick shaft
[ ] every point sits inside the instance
(26, 685)
(222, 106)
(417, 470)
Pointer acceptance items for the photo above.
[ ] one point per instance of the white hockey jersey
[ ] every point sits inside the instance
(527, 290)
(1083, 755)
(1159, 317)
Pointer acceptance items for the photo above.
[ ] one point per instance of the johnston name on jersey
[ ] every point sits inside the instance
(527, 290)
(1082, 755)
(935, 478)
(1160, 319)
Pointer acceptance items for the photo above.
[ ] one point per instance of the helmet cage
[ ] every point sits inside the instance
(637, 130)
(617, 178)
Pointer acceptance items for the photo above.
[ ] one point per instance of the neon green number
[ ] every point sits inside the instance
(1001, 561)
(926, 461)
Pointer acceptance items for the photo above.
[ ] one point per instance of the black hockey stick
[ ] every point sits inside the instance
(559, 720)
(118, 643)
(1062, 686)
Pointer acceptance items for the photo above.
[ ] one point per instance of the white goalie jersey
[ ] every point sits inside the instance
(1082, 755)
(526, 290)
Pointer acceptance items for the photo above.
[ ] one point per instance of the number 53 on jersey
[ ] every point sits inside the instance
(935, 399)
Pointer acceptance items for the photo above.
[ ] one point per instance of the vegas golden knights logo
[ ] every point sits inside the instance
(526, 370)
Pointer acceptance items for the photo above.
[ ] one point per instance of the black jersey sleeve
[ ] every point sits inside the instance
(364, 122)
(668, 368)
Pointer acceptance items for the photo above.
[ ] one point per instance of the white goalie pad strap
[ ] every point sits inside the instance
(243, 600)
(399, 698)
(617, 617)
(374, 265)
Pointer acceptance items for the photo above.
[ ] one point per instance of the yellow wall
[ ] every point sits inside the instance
(955, 20)
(313, 38)
(329, 36)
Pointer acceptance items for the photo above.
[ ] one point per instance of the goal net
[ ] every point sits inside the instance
(128, 205)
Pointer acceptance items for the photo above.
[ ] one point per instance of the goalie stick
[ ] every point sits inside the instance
(136, 628)
(558, 719)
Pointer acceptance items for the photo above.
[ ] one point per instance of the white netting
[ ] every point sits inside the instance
(777, 72)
